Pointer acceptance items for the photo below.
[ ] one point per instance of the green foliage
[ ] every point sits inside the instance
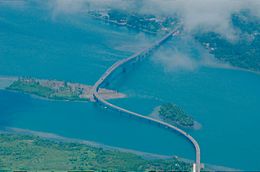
(147, 23)
(66, 93)
(173, 113)
(22, 152)
(31, 86)
(244, 53)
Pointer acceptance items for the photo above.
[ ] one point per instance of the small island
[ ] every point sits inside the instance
(58, 90)
(173, 114)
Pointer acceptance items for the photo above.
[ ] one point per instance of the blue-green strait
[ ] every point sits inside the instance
(79, 49)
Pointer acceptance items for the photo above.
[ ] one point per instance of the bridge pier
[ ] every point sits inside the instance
(133, 59)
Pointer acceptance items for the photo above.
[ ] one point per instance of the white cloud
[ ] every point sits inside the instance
(66, 6)
(176, 61)
(196, 15)
(185, 55)
(208, 15)
(203, 15)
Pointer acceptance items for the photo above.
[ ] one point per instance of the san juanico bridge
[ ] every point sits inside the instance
(140, 85)
(121, 66)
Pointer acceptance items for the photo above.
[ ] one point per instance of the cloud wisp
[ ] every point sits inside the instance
(202, 15)
(196, 15)
(206, 15)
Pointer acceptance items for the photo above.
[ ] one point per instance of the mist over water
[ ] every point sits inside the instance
(185, 54)
(207, 15)
(77, 49)
(56, 40)
(196, 16)
(200, 15)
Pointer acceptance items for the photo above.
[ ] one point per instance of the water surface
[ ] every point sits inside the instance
(80, 49)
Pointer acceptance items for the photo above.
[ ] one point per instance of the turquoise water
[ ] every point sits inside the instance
(80, 51)
(225, 102)
(64, 47)
(88, 122)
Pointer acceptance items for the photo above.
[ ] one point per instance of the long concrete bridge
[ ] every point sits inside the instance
(120, 65)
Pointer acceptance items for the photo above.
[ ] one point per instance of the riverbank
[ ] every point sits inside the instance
(31, 152)
(54, 89)
(55, 137)
(29, 136)
(148, 24)
(155, 24)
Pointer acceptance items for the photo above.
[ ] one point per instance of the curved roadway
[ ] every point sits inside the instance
(138, 56)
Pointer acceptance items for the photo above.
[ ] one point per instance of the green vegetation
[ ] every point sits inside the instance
(146, 23)
(243, 53)
(32, 86)
(31, 153)
(174, 114)
(49, 89)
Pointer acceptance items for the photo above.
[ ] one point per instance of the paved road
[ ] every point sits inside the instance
(138, 56)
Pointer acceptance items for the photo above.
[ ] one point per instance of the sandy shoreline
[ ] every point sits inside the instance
(149, 156)
(56, 137)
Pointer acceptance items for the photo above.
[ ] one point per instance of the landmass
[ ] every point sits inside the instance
(55, 90)
(33, 153)
(173, 114)
(243, 53)
(146, 23)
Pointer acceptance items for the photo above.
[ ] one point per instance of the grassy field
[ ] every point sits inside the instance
(32, 153)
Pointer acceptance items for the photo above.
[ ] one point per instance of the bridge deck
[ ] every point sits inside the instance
(117, 65)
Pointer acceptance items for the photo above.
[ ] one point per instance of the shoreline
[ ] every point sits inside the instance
(113, 22)
(236, 68)
(155, 114)
(85, 96)
(5, 81)
(231, 67)
(55, 137)
(145, 155)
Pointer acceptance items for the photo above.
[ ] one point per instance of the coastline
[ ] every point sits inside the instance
(236, 68)
(145, 155)
(121, 24)
(231, 67)
(21, 151)
(209, 95)
(7, 81)
(55, 137)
